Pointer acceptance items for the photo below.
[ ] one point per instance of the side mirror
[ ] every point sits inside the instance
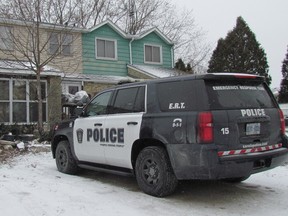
(78, 111)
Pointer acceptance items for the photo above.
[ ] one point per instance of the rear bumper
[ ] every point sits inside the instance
(202, 162)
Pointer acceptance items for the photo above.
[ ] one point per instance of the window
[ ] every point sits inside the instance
(66, 44)
(60, 43)
(6, 41)
(99, 105)
(153, 54)
(71, 87)
(4, 101)
(106, 49)
(177, 96)
(129, 100)
(18, 101)
(53, 43)
(234, 95)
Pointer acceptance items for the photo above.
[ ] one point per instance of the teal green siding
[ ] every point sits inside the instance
(151, 39)
(118, 67)
(91, 65)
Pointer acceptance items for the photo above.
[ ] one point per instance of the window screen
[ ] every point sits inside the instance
(152, 54)
(106, 49)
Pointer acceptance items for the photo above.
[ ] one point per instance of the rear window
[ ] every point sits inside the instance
(235, 95)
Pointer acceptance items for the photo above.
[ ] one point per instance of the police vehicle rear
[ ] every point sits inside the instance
(212, 126)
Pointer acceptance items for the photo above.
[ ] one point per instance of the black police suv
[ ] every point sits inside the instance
(211, 126)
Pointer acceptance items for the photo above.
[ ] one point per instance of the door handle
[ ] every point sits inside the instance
(132, 123)
(97, 124)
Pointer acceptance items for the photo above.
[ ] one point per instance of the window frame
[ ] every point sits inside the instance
(66, 85)
(120, 110)
(160, 54)
(8, 32)
(27, 101)
(105, 56)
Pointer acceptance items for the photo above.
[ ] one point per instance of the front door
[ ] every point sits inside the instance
(89, 130)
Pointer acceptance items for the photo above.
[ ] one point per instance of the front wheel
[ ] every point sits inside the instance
(154, 173)
(64, 159)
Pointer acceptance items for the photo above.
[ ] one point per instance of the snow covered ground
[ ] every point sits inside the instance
(31, 186)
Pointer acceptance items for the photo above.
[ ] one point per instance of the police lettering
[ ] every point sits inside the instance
(252, 112)
(107, 135)
(173, 106)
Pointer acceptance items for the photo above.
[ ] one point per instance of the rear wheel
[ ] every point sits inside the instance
(64, 159)
(154, 173)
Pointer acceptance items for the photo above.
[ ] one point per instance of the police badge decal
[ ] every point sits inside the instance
(79, 134)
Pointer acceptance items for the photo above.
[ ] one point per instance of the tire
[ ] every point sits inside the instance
(154, 173)
(235, 180)
(64, 159)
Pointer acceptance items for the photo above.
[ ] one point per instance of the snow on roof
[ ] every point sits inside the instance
(97, 78)
(155, 71)
(17, 67)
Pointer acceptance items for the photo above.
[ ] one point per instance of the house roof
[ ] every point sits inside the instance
(22, 68)
(83, 30)
(44, 25)
(97, 78)
(112, 25)
(158, 32)
(155, 72)
(129, 36)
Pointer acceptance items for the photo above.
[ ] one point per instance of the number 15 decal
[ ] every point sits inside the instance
(225, 131)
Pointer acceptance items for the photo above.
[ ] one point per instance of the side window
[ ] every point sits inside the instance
(99, 105)
(177, 96)
(129, 100)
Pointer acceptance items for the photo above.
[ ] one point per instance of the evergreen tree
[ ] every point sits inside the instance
(240, 52)
(283, 94)
(189, 69)
(180, 65)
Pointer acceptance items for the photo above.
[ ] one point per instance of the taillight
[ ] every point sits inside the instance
(282, 121)
(205, 127)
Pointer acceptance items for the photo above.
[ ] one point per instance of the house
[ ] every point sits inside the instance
(18, 47)
(110, 55)
(83, 59)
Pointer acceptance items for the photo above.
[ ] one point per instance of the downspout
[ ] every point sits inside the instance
(130, 50)
(172, 56)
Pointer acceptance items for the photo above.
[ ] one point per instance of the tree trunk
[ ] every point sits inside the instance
(40, 106)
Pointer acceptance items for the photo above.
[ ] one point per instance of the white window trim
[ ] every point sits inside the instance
(106, 58)
(27, 101)
(151, 62)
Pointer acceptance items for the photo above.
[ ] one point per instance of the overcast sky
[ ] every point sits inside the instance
(268, 19)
